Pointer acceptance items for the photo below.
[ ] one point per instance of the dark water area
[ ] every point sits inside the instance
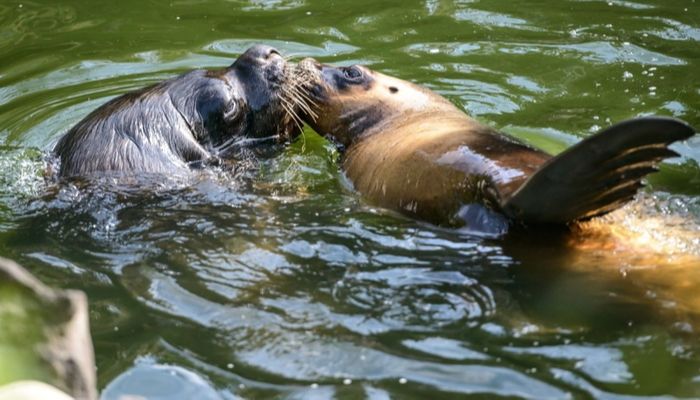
(283, 283)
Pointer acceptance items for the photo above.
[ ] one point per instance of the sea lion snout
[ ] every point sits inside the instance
(263, 63)
(342, 98)
(265, 78)
(259, 54)
(310, 64)
(336, 79)
(353, 101)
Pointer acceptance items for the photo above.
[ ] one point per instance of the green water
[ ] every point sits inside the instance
(290, 286)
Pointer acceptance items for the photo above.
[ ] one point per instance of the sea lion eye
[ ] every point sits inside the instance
(352, 73)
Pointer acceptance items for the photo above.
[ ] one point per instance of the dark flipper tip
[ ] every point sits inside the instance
(581, 182)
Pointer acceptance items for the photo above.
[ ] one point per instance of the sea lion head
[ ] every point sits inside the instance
(351, 102)
(268, 106)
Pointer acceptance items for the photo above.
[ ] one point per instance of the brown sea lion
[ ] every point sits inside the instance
(409, 149)
(196, 118)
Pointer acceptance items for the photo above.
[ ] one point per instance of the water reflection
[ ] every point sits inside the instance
(289, 49)
(597, 52)
(29, 18)
(367, 296)
(677, 31)
(271, 4)
(481, 18)
(278, 296)
(282, 283)
(159, 382)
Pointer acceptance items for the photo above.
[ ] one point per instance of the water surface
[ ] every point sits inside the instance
(285, 284)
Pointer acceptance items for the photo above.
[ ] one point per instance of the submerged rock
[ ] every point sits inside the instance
(44, 336)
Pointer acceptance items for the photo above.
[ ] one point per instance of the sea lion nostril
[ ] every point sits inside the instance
(260, 52)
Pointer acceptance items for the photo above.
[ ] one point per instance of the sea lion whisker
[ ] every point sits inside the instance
(293, 96)
(288, 106)
(228, 144)
(260, 139)
(302, 102)
(290, 111)
(303, 86)
(243, 142)
(301, 76)
(306, 108)
(303, 95)
(296, 101)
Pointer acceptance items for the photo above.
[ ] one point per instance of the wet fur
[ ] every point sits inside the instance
(411, 150)
(196, 118)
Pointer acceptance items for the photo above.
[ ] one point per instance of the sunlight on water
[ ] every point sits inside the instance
(280, 282)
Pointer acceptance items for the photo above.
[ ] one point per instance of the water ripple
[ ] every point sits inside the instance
(281, 282)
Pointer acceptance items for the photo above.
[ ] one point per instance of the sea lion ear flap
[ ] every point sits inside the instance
(232, 111)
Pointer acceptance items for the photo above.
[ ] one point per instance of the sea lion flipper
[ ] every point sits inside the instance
(599, 174)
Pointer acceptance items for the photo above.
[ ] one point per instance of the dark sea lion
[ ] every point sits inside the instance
(196, 118)
(407, 148)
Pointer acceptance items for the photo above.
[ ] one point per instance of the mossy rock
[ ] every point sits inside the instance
(44, 334)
